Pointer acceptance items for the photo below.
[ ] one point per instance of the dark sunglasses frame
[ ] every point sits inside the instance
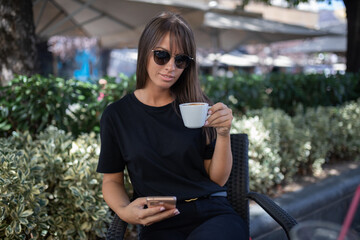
(162, 57)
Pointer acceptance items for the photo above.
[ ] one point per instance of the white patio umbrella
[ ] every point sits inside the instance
(228, 31)
(117, 23)
(230, 59)
(335, 44)
(321, 44)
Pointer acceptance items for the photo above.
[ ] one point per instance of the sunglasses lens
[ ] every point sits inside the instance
(161, 57)
(182, 61)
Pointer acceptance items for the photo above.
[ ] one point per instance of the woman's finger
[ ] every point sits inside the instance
(216, 107)
(158, 216)
(220, 116)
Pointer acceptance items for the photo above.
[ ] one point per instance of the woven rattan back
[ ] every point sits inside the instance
(238, 183)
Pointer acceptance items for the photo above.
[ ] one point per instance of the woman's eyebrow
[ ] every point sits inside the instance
(162, 49)
(167, 50)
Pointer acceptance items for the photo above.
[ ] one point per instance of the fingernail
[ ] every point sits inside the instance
(206, 123)
(162, 209)
(176, 212)
(209, 112)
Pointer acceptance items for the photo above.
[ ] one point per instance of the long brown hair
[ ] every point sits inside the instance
(187, 88)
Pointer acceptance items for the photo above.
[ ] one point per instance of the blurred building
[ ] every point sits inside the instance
(322, 54)
(87, 63)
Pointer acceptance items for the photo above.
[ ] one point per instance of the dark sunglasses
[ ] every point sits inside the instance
(163, 57)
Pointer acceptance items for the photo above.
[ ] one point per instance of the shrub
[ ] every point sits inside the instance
(240, 92)
(290, 142)
(23, 205)
(244, 92)
(264, 160)
(33, 103)
(288, 91)
(63, 199)
(344, 130)
(282, 146)
(315, 125)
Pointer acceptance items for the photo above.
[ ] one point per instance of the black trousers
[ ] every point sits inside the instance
(204, 219)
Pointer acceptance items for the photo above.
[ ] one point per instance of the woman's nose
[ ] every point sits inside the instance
(171, 64)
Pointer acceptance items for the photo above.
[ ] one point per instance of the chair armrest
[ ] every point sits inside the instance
(277, 213)
(117, 228)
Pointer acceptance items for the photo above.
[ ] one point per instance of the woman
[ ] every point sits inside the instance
(144, 132)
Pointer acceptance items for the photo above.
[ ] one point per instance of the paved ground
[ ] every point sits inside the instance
(332, 169)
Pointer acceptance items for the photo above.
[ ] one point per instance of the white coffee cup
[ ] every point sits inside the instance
(194, 114)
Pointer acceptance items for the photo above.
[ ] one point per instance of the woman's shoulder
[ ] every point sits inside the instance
(118, 105)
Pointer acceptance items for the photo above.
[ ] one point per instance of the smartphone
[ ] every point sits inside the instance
(168, 202)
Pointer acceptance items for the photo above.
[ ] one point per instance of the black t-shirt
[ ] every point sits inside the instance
(162, 156)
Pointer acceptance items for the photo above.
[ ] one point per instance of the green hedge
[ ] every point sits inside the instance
(241, 92)
(244, 92)
(49, 188)
(287, 92)
(33, 103)
(282, 146)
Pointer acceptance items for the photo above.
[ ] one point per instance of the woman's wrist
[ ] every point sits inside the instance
(223, 132)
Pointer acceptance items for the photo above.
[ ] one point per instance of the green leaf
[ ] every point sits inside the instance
(82, 234)
(5, 126)
(20, 174)
(26, 213)
(37, 168)
(75, 191)
(16, 226)
(21, 207)
(23, 221)
(70, 231)
(2, 214)
(43, 202)
(86, 226)
(13, 215)
(3, 226)
(9, 230)
(35, 191)
(101, 212)
(58, 220)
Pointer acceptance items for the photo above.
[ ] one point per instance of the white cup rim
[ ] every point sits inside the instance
(194, 104)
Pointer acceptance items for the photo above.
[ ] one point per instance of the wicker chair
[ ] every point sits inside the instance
(238, 193)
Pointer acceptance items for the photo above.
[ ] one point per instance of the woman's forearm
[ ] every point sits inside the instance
(131, 212)
(221, 163)
(114, 192)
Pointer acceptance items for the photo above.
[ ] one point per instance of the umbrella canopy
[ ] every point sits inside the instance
(229, 31)
(117, 23)
(229, 59)
(321, 44)
(335, 44)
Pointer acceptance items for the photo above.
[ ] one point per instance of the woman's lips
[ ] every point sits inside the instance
(167, 77)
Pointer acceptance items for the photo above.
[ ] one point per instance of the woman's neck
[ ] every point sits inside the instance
(154, 98)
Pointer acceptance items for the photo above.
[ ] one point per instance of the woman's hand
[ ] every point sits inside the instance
(220, 118)
(135, 213)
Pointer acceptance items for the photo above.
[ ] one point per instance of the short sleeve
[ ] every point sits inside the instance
(110, 159)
